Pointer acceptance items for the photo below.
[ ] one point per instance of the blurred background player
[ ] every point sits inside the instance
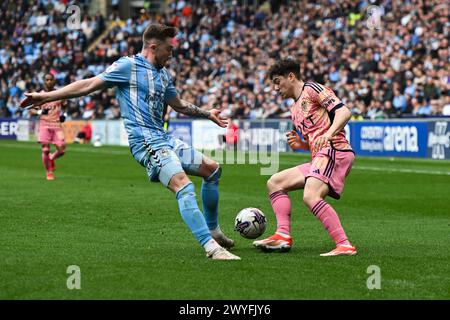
(320, 117)
(144, 85)
(229, 140)
(50, 129)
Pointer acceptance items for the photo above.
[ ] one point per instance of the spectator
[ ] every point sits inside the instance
(85, 134)
(388, 110)
(424, 109)
(399, 101)
(375, 111)
(446, 107)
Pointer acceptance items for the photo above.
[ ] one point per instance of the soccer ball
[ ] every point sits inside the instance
(250, 223)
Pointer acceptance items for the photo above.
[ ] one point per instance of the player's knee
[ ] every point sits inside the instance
(273, 184)
(208, 168)
(178, 182)
(45, 149)
(187, 190)
(215, 175)
(310, 198)
(270, 184)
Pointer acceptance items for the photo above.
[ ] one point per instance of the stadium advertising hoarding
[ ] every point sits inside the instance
(109, 132)
(27, 130)
(100, 134)
(389, 139)
(115, 133)
(252, 135)
(438, 144)
(422, 139)
(72, 128)
(8, 128)
(206, 135)
(181, 130)
(269, 135)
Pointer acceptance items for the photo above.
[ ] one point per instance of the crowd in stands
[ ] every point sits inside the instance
(43, 36)
(382, 58)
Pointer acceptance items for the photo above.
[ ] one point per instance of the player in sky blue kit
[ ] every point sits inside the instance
(143, 87)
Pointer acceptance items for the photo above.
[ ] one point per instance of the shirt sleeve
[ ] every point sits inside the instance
(171, 91)
(324, 96)
(118, 73)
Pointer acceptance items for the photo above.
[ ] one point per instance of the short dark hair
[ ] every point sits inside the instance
(284, 67)
(158, 31)
(49, 74)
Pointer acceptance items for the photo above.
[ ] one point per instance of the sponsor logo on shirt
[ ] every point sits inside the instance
(328, 101)
(304, 105)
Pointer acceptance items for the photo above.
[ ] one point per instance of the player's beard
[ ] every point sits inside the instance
(161, 63)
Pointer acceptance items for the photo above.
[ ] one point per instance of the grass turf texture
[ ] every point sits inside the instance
(127, 236)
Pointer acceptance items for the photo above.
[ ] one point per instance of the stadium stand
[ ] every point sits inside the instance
(385, 59)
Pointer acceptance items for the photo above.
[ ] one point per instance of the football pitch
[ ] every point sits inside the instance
(127, 237)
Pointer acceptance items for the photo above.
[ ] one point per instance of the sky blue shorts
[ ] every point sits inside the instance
(163, 164)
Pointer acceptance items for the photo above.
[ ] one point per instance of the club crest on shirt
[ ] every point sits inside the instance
(304, 105)
(164, 153)
(164, 81)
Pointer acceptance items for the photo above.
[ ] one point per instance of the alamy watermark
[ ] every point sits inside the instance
(373, 17)
(374, 280)
(74, 279)
(74, 20)
(268, 160)
(255, 146)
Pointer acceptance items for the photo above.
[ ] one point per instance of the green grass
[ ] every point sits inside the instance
(129, 240)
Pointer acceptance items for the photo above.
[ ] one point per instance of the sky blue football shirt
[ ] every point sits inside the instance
(142, 91)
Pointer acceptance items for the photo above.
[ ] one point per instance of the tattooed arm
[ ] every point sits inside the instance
(189, 109)
(192, 110)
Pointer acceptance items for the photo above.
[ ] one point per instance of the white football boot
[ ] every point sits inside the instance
(220, 253)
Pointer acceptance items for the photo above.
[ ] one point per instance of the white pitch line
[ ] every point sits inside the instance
(447, 173)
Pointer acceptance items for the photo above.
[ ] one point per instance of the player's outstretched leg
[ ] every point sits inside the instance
(210, 200)
(46, 161)
(195, 220)
(278, 185)
(281, 241)
(315, 191)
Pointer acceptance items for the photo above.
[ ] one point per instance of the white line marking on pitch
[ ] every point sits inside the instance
(402, 170)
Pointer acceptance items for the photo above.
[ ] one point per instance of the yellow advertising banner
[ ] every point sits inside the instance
(71, 129)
